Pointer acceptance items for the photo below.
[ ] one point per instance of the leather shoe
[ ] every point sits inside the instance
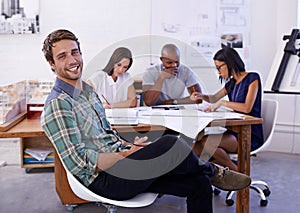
(229, 180)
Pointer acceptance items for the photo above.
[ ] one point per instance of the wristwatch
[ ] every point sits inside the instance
(175, 102)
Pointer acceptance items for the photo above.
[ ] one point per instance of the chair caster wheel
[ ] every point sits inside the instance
(216, 191)
(229, 202)
(267, 192)
(70, 208)
(263, 203)
(27, 170)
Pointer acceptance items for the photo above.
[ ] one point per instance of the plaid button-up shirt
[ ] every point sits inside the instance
(75, 122)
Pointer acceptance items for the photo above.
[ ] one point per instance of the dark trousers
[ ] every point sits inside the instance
(167, 166)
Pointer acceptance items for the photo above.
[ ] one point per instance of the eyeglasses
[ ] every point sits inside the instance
(219, 67)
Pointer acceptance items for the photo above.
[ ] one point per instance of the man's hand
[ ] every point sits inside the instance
(169, 72)
(141, 141)
(197, 97)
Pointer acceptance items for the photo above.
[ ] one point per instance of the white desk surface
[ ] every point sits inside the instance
(188, 119)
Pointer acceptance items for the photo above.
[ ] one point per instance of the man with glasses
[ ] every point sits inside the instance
(165, 83)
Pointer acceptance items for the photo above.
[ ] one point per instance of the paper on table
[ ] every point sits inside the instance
(205, 105)
(192, 113)
(123, 121)
(189, 121)
(174, 113)
(225, 115)
(121, 113)
(189, 126)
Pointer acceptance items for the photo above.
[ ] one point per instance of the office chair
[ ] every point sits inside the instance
(83, 193)
(269, 115)
(141, 200)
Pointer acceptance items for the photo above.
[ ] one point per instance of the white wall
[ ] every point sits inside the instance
(270, 21)
(263, 31)
(97, 23)
(100, 23)
(286, 136)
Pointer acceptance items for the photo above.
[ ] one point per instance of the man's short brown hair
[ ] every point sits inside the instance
(56, 36)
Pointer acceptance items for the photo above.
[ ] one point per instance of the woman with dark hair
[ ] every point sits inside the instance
(114, 85)
(244, 92)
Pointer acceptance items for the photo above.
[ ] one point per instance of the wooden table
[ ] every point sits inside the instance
(31, 134)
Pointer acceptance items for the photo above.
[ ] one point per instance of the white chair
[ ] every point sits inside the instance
(269, 115)
(141, 200)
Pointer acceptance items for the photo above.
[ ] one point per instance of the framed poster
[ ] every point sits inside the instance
(19, 17)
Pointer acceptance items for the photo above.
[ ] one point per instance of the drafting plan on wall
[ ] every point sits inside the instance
(204, 24)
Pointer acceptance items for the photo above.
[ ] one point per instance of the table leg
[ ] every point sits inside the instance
(244, 147)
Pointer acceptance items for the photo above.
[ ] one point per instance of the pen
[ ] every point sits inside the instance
(105, 99)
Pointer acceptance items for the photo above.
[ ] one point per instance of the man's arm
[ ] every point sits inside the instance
(186, 100)
(194, 88)
(191, 79)
(151, 93)
(151, 96)
(58, 122)
(107, 160)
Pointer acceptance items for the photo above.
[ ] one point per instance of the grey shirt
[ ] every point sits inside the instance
(173, 88)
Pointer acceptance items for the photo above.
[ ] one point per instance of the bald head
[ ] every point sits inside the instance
(170, 51)
(170, 56)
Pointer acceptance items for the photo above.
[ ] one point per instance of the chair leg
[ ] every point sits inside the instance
(110, 208)
(266, 191)
(263, 199)
(262, 194)
(70, 207)
(229, 201)
(216, 191)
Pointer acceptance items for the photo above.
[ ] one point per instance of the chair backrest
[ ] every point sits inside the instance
(269, 112)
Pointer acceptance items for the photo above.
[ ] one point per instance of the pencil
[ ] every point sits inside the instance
(105, 99)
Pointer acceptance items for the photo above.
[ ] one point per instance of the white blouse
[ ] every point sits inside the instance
(113, 92)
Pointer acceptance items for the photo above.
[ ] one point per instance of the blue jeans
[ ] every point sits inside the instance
(167, 166)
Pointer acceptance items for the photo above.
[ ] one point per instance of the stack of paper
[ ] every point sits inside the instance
(38, 153)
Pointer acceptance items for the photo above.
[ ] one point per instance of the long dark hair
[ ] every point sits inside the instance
(233, 61)
(118, 55)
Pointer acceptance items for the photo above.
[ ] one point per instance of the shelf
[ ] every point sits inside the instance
(34, 142)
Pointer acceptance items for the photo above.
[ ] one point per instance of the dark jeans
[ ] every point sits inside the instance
(167, 166)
